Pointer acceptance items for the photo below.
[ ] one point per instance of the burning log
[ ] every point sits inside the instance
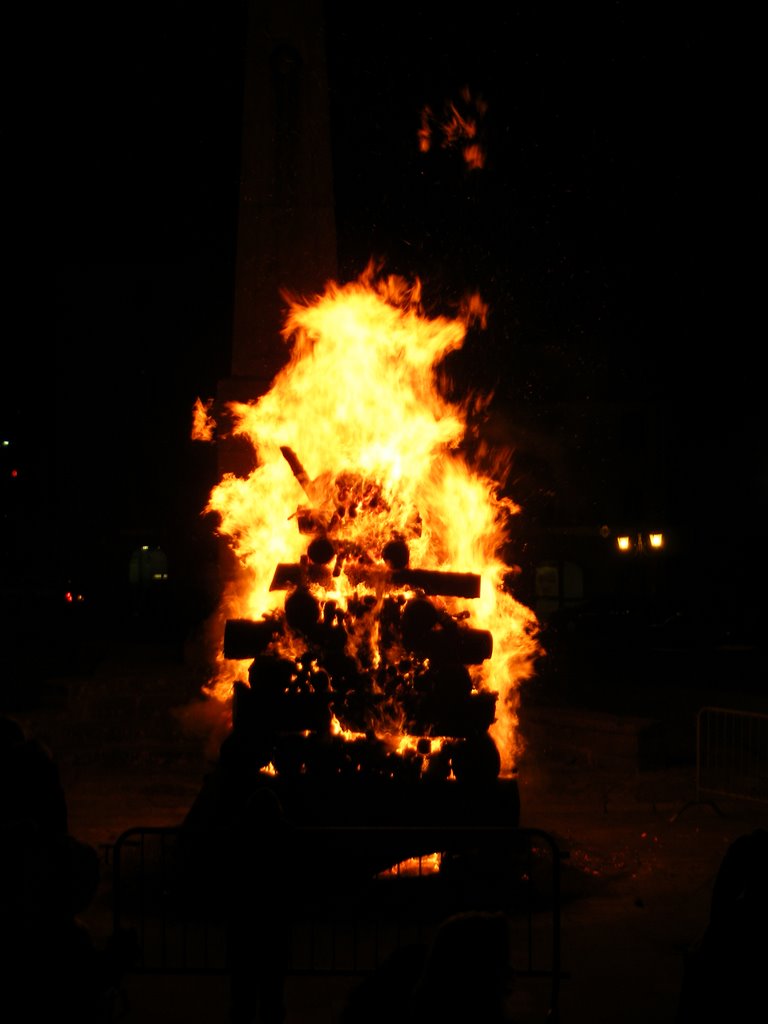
(430, 581)
(434, 635)
(359, 659)
(298, 470)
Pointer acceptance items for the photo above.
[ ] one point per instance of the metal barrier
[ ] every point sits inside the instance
(732, 753)
(354, 922)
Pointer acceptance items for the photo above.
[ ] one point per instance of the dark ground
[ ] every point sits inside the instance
(642, 852)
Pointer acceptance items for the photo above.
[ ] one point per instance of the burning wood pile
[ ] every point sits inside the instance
(381, 640)
(317, 711)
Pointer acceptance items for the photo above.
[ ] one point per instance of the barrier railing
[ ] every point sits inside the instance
(732, 753)
(346, 914)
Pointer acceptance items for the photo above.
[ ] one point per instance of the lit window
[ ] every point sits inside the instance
(656, 540)
(623, 543)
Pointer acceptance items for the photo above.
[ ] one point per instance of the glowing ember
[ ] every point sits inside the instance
(371, 587)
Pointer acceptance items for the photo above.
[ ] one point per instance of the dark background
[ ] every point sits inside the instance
(611, 231)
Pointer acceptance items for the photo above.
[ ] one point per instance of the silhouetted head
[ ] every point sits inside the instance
(741, 886)
(466, 971)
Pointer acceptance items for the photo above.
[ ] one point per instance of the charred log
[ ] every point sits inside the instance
(321, 551)
(302, 611)
(475, 760)
(462, 717)
(298, 470)
(296, 574)
(396, 554)
(311, 522)
(251, 729)
(448, 684)
(429, 581)
(459, 645)
(418, 618)
(443, 584)
(246, 638)
(269, 672)
(273, 705)
(438, 768)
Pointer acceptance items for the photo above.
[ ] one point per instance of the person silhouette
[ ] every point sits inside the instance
(48, 878)
(723, 973)
(30, 784)
(235, 855)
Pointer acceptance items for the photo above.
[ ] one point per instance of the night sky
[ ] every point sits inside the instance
(610, 231)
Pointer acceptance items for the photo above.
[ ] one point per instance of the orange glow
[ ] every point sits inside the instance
(359, 453)
(459, 128)
(425, 131)
(427, 864)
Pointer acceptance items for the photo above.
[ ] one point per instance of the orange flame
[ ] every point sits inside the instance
(203, 424)
(459, 128)
(355, 439)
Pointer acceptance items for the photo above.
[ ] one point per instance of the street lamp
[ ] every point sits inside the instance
(625, 543)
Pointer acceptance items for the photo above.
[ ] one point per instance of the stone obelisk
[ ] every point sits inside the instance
(286, 237)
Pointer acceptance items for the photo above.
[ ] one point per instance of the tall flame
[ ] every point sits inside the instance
(356, 437)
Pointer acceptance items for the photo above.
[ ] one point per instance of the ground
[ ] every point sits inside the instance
(641, 848)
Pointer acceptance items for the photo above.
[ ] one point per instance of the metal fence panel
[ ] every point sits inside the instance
(354, 923)
(732, 753)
